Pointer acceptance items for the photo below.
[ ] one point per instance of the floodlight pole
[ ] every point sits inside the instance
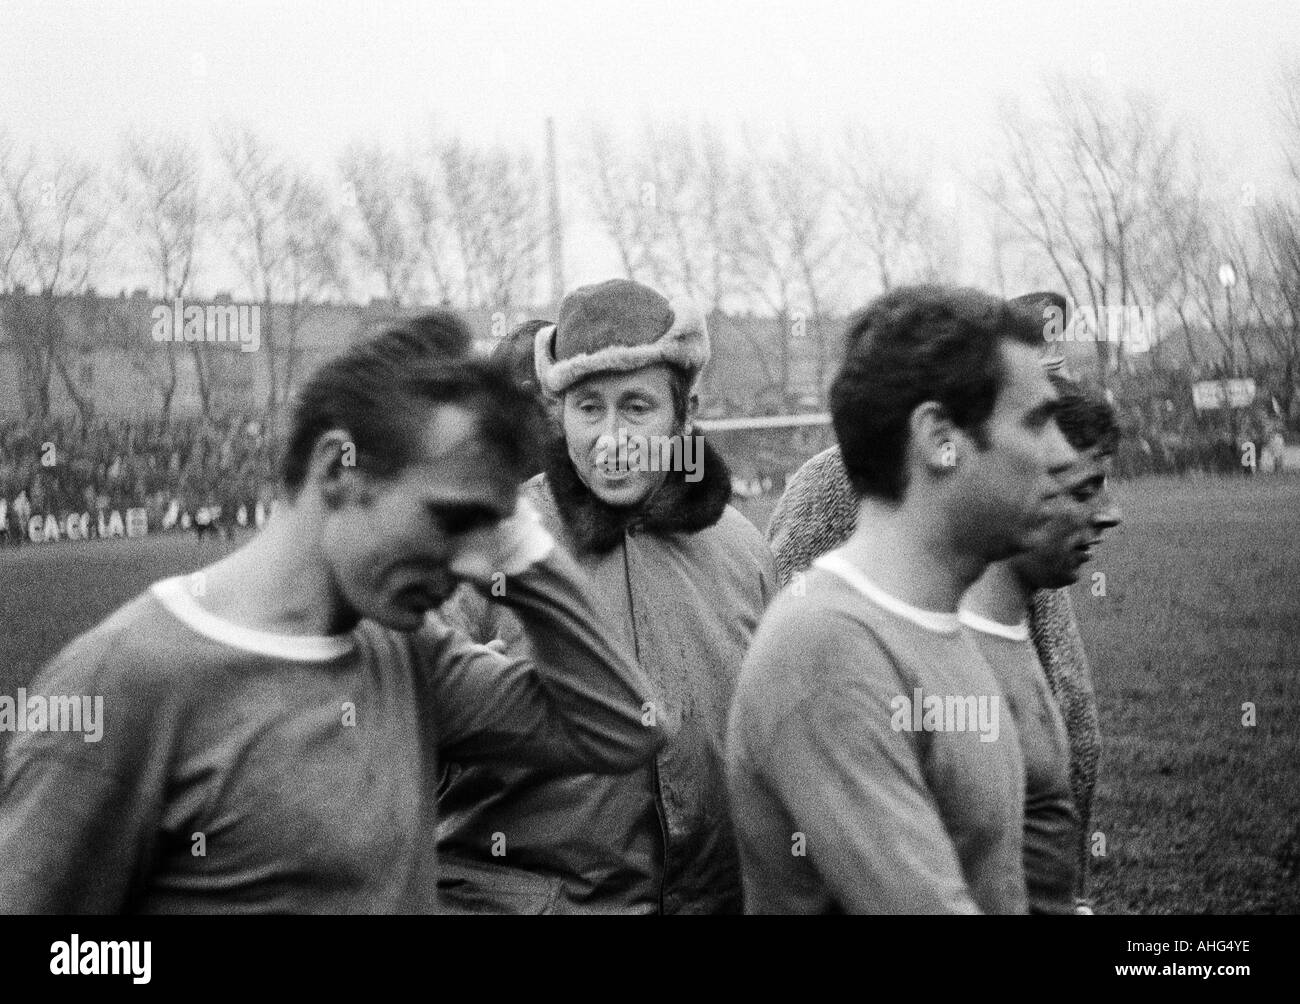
(554, 225)
(1228, 278)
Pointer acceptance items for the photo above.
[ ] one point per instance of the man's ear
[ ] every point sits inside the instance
(936, 440)
(333, 465)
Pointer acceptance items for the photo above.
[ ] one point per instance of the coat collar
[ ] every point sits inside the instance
(679, 506)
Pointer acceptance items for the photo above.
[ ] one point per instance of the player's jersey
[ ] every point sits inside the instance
(235, 771)
(1051, 823)
(215, 768)
(871, 769)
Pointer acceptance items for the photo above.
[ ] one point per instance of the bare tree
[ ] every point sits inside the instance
(11, 235)
(433, 232)
(382, 238)
(160, 191)
(788, 246)
(289, 245)
(670, 208)
(1276, 296)
(312, 270)
(57, 231)
(1275, 293)
(1186, 250)
(695, 213)
(1076, 184)
(674, 206)
(886, 212)
(688, 216)
(670, 217)
(719, 184)
(617, 195)
(493, 210)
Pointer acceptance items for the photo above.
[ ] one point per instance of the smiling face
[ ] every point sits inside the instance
(1080, 517)
(602, 410)
(389, 541)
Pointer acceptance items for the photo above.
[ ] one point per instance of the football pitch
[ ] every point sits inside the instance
(1193, 633)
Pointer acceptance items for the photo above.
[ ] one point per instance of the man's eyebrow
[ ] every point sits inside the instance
(1083, 480)
(1043, 411)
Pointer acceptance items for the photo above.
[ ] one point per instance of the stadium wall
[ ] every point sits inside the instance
(110, 353)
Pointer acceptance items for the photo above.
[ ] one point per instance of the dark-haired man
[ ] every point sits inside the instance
(267, 746)
(818, 513)
(870, 766)
(515, 354)
(998, 611)
(436, 335)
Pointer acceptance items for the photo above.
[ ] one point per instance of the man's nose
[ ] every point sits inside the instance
(1107, 516)
(607, 443)
(609, 427)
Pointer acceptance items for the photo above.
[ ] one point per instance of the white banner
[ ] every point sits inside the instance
(1210, 394)
(44, 529)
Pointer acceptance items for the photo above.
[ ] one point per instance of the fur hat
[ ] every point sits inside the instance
(615, 327)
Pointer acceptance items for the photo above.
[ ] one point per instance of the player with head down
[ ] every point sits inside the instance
(271, 725)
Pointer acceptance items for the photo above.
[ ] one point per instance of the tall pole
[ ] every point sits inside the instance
(1228, 277)
(1232, 367)
(555, 227)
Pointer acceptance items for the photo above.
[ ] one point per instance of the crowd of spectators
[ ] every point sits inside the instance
(1163, 433)
(59, 466)
(186, 470)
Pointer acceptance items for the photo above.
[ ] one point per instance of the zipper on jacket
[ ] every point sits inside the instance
(660, 814)
(663, 833)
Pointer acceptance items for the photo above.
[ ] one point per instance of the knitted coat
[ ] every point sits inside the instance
(817, 514)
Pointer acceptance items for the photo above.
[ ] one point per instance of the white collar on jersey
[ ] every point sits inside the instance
(175, 595)
(1011, 632)
(931, 620)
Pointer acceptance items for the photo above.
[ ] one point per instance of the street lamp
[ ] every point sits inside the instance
(1228, 279)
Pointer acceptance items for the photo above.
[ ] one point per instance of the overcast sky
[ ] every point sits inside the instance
(314, 75)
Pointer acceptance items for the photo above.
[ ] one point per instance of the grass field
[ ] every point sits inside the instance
(1201, 614)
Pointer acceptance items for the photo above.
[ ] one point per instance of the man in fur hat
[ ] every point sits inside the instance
(641, 502)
